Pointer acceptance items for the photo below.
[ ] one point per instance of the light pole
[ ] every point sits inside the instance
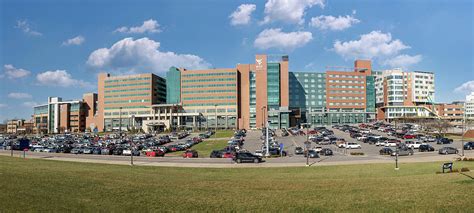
(396, 156)
(267, 151)
(120, 122)
(462, 134)
(308, 145)
(215, 113)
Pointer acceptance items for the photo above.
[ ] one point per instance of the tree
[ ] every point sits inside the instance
(441, 126)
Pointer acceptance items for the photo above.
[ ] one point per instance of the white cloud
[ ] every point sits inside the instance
(3, 105)
(60, 78)
(24, 26)
(11, 72)
(148, 26)
(78, 40)
(141, 55)
(333, 23)
(402, 61)
(241, 15)
(372, 45)
(19, 95)
(30, 104)
(275, 38)
(466, 87)
(290, 11)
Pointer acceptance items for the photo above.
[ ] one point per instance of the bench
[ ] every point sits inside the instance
(448, 166)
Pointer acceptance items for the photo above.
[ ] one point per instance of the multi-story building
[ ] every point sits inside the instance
(58, 116)
(350, 95)
(307, 97)
(14, 125)
(452, 112)
(126, 100)
(401, 94)
(469, 107)
(241, 97)
(264, 92)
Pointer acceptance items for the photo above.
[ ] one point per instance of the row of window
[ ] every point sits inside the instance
(127, 85)
(208, 91)
(209, 98)
(127, 107)
(127, 101)
(209, 74)
(128, 90)
(346, 104)
(210, 104)
(346, 86)
(209, 85)
(345, 91)
(208, 80)
(346, 98)
(127, 95)
(346, 81)
(347, 76)
(127, 79)
(127, 113)
(319, 75)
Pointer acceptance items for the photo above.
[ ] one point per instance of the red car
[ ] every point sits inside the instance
(190, 154)
(155, 153)
(312, 132)
(409, 137)
(197, 140)
(228, 155)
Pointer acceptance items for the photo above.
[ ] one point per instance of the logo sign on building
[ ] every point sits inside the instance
(260, 62)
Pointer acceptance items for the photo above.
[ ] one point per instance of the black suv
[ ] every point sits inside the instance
(242, 157)
(444, 141)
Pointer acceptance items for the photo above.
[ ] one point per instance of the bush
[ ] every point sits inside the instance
(464, 169)
(357, 153)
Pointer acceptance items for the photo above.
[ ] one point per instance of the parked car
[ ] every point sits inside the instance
(353, 146)
(444, 141)
(404, 151)
(469, 145)
(74, 151)
(326, 152)
(242, 157)
(386, 151)
(190, 154)
(155, 153)
(413, 144)
(228, 155)
(448, 150)
(426, 148)
(299, 150)
(118, 151)
(311, 154)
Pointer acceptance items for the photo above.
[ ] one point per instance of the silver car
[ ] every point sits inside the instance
(448, 150)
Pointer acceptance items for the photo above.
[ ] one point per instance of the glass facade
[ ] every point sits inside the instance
(253, 100)
(370, 93)
(273, 85)
(173, 86)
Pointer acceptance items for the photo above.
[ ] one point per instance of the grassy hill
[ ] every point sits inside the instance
(43, 185)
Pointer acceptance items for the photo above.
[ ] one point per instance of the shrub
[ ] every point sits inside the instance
(464, 169)
(357, 153)
(455, 170)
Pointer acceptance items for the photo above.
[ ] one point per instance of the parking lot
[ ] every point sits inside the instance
(368, 153)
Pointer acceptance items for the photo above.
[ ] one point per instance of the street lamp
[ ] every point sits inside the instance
(120, 122)
(215, 113)
(462, 134)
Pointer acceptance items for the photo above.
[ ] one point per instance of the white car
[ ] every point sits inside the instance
(360, 138)
(366, 131)
(258, 153)
(413, 144)
(317, 149)
(390, 143)
(127, 152)
(380, 143)
(353, 146)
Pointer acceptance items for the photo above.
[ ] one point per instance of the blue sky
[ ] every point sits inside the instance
(56, 48)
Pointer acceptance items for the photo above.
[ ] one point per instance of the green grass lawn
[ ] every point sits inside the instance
(204, 148)
(223, 134)
(42, 185)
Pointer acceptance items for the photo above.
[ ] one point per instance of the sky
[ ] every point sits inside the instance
(57, 48)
